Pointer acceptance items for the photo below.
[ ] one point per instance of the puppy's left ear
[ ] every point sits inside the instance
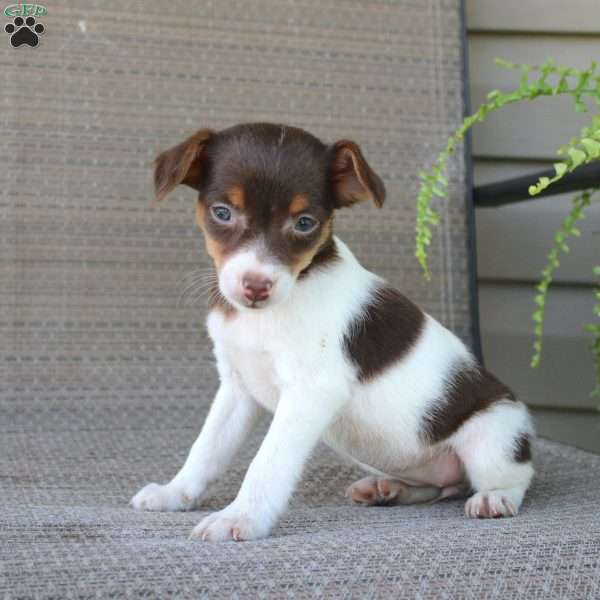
(184, 163)
(353, 178)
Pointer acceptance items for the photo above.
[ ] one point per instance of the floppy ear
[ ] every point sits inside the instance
(184, 163)
(353, 179)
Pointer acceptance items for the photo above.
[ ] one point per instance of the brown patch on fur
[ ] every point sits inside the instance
(236, 197)
(298, 204)
(216, 250)
(522, 451)
(390, 324)
(324, 249)
(470, 390)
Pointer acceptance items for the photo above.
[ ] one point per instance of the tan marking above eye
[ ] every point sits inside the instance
(236, 197)
(298, 204)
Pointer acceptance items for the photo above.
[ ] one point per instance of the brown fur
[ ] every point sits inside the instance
(522, 452)
(182, 164)
(354, 180)
(385, 332)
(471, 390)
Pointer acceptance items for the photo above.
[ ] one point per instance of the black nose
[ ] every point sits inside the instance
(256, 287)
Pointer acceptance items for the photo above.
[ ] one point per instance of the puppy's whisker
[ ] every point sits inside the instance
(198, 283)
(197, 274)
(197, 289)
(197, 293)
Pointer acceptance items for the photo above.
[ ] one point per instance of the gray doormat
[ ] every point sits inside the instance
(66, 530)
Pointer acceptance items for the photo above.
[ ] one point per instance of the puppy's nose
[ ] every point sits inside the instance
(256, 287)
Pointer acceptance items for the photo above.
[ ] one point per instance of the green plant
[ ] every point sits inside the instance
(551, 80)
(567, 229)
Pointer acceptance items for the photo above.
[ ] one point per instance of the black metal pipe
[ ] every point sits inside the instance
(516, 190)
(469, 207)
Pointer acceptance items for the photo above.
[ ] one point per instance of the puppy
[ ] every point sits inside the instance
(302, 329)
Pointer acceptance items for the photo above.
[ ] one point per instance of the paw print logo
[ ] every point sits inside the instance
(24, 31)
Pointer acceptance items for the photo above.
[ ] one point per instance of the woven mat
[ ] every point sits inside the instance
(66, 530)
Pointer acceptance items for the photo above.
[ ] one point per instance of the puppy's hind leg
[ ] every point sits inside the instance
(374, 491)
(494, 446)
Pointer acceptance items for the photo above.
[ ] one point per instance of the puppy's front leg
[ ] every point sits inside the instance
(228, 423)
(301, 417)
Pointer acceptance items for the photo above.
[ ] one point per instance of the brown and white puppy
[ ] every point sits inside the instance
(302, 329)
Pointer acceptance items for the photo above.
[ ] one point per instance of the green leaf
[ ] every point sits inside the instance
(504, 63)
(562, 86)
(560, 168)
(580, 106)
(542, 184)
(578, 157)
(592, 147)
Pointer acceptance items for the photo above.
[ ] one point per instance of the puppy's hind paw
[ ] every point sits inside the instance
(490, 505)
(377, 492)
(364, 491)
(385, 491)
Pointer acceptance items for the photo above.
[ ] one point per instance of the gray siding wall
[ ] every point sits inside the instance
(513, 240)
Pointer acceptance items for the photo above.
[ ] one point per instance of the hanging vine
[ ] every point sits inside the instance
(535, 81)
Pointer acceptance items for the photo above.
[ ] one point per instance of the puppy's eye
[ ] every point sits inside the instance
(305, 224)
(221, 213)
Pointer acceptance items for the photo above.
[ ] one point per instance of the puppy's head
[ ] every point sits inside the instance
(266, 199)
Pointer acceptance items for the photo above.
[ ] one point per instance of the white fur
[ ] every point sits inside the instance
(288, 357)
(254, 259)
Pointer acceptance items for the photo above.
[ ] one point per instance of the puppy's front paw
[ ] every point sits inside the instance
(231, 524)
(169, 497)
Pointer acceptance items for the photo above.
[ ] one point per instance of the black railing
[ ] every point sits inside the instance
(516, 190)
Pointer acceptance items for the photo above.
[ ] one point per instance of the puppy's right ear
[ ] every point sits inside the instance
(184, 163)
